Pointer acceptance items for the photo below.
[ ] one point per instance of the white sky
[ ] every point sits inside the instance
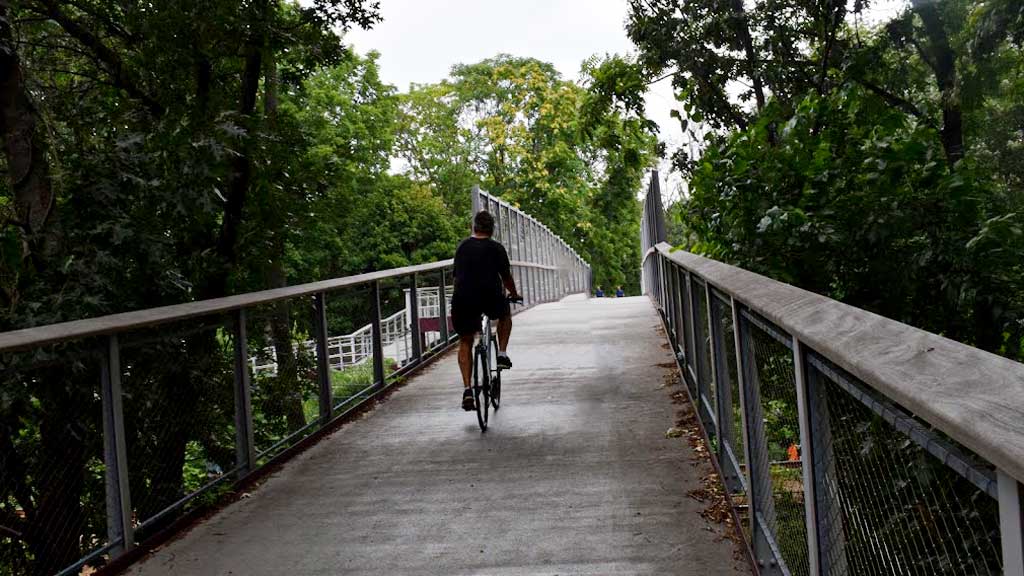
(420, 40)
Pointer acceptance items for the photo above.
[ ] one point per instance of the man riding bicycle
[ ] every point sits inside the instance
(481, 270)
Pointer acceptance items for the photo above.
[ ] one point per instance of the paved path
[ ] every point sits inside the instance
(575, 475)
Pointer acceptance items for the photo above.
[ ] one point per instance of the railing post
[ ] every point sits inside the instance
(1011, 523)
(692, 326)
(497, 225)
(699, 333)
(722, 378)
(741, 383)
(442, 304)
(829, 518)
(323, 364)
(531, 257)
(378, 345)
(707, 332)
(414, 319)
(245, 445)
(681, 351)
(807, 458)
(474, 196)
(115, 451)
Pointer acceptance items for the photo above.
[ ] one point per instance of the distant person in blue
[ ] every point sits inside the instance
(619, 293)
(600, 293)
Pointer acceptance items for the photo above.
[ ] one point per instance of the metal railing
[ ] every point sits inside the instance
(850, 444)
(354, 349)
(527, 238)
(113, 428)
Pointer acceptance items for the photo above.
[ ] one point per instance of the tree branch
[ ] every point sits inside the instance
(7, 520)
(119, 72)
(896, 101)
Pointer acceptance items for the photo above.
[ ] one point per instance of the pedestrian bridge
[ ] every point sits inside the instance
(724, 423)
(574, 476)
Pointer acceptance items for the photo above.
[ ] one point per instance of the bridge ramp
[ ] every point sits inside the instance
(575, 475)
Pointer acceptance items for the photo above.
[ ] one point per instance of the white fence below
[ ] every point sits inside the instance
(347, 350)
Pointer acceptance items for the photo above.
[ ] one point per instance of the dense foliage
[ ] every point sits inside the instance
(878, 165)
(169, 151)
(570, 155)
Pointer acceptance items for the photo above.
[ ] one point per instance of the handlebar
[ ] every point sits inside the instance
(511, 300)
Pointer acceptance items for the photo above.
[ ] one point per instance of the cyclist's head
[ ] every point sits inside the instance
(483, 223)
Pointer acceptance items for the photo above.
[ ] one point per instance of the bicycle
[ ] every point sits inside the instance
(487, 382)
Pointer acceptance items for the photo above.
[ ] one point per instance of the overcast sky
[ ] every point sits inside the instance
(420, 40)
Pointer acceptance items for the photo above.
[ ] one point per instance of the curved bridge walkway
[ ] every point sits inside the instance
(575, 476)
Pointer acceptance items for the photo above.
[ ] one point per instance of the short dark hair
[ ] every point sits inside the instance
(483, 223)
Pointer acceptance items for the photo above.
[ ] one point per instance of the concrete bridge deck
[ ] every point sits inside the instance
(575, 475)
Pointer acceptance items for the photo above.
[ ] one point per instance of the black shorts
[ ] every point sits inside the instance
(466, 315)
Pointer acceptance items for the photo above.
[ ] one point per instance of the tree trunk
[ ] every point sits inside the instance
(24, 146)
(940, 58)
(289, 386)
(54, 531)
(743, 31)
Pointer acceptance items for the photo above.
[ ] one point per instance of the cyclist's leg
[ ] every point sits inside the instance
(503, 314)
(466, 320)
(466, 358)
(504, 331)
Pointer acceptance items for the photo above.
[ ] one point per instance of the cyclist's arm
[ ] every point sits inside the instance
(510, 287)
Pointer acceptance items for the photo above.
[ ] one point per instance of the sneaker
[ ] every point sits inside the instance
(503, 361)
(468, 402)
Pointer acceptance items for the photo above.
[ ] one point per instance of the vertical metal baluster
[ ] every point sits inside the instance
(712, 368)
(378, 345)
(550, 244)
(720, 366)
(681, 350)
(245, 445)
(443, 308)
(1011, 523)
(741, 383)
(698, 347)
(497, 223)
(831, 539)
(806, 459)
(414, 320)
(474, 196)
(115, 451)
(532, 248)
(323, 365)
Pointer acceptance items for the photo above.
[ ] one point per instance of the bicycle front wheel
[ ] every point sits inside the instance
(481, 387)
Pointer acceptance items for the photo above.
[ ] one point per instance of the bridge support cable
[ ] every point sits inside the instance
(849, 444)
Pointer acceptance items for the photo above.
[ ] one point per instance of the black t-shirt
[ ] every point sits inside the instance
(480, 266)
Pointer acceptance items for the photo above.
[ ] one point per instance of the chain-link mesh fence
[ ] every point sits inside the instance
(178, 399)
(884, 492)
(285, 401)
(886, 504)
(733, 456)
(52, 497)
(781, 501)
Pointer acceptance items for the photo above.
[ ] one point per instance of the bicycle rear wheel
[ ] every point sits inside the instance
(496, 376)
(481, 387)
